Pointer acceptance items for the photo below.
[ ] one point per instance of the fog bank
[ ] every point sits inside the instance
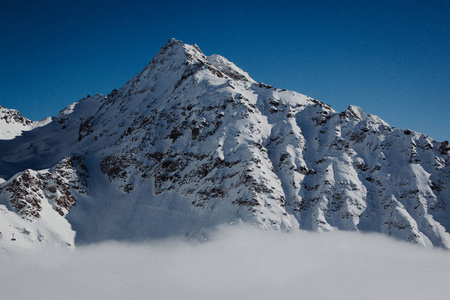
(238, 263)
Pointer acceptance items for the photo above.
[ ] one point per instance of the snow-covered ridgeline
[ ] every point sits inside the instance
(193, 142)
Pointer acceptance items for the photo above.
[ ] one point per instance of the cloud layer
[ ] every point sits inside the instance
(238, 263)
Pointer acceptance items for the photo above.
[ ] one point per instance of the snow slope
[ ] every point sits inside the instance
(193, 142)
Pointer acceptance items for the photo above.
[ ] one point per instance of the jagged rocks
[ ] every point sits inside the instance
(57, 186)
(10, 116)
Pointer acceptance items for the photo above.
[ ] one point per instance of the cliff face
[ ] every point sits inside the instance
(193, 142)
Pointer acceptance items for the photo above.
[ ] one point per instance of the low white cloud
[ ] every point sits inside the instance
(237, 263)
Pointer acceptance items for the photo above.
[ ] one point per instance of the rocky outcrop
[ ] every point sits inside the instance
(28, 189)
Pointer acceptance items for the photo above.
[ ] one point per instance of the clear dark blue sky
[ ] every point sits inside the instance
(392, 58)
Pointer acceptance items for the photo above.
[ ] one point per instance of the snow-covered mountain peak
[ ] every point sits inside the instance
(12, 116)
(12, 123)
(192, 142)
(178, 62)
(175, 52)
(173, 64)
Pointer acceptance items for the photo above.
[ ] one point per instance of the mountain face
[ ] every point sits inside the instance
(193, 142)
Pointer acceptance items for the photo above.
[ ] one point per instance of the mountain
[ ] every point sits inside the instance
(193, 142)
(12, 123)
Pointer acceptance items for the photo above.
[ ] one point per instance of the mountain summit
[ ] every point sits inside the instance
(193, 142)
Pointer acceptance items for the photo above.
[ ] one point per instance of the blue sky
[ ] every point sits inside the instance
(392, 58)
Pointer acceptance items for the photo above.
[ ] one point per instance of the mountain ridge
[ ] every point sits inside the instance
(193, 142)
